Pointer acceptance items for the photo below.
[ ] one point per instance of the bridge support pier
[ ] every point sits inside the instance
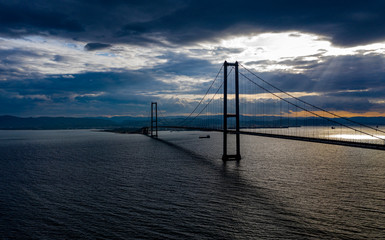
(237, 155)
(154, 122)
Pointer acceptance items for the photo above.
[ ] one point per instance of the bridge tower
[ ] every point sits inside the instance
(154, 122)
(237, 155)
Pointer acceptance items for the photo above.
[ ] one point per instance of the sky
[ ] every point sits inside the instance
(114, 57)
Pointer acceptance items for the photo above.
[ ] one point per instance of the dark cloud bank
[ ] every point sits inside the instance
(180, 22)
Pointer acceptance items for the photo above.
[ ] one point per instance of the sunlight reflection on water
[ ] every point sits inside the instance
(359, 137)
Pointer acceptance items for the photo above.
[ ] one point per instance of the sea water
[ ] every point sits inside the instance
(84, 184)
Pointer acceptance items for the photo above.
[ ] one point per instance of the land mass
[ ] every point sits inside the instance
(133, 124)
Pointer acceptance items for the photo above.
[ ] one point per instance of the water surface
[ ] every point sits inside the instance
(92, 185)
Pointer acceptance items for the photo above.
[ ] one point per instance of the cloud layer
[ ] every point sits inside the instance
(89, 58)
(181, 22)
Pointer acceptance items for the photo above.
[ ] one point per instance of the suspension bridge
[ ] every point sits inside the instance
(238, 101)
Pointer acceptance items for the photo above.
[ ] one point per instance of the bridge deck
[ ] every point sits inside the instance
(298, 138)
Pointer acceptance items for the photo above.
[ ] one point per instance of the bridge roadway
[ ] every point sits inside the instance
(298, 138)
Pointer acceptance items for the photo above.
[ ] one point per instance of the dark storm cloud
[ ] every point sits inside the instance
(140, 22)
(91, 93)
(181, 64)
(96, 46)
(346, 24)
(18, 17)
(90, 82)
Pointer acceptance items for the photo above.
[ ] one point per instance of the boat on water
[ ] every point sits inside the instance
(207, 136)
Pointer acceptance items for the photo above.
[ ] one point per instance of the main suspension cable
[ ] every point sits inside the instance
(211, 98)
(203, 96)
(321, 109)
(315, 114)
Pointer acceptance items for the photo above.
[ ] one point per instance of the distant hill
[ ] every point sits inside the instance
(134, 123)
